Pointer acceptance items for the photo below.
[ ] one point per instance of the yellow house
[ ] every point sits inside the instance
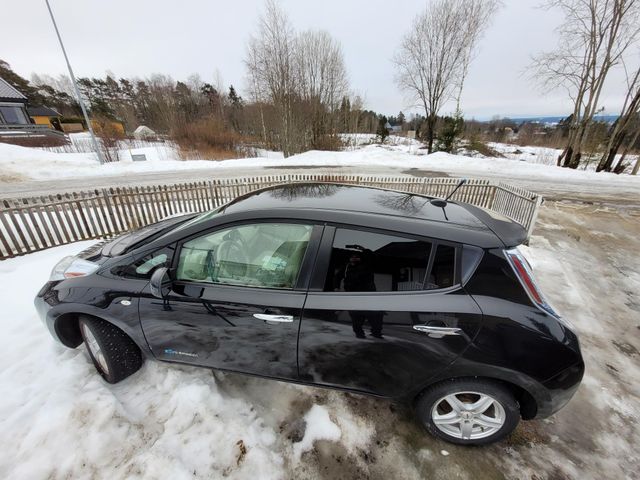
(44, 116)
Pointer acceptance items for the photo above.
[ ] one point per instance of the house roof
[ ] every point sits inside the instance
(42, 112)
(9, 92)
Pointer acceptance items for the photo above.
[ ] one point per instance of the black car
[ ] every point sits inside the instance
(367, 290)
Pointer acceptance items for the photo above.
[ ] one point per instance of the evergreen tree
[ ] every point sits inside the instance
(448, 138)
(382, 132)
(234, 98)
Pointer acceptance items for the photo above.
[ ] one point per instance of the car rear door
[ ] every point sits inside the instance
(236, 299)
(384, 313)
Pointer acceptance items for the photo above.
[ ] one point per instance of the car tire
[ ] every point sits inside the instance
(468, 411)
(113, 353)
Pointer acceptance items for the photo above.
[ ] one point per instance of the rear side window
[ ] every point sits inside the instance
(375, 262)
(372, 262)
(442, 272)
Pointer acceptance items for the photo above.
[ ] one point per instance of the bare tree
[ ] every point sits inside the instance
(479, 14)
(620, 130)
(592, 40)
(434, 56)
(322, 79)
(271, 62)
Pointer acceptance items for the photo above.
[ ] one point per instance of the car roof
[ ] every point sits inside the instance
(337, 201)
(330, 197)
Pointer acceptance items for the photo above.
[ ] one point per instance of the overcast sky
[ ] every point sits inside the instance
(140, 37)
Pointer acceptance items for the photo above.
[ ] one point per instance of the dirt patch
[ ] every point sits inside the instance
(11, 178)
(626, 348)
(528, 433)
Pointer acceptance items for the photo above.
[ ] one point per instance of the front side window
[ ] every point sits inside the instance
(267, 255)
(372, 262)
(143, 267)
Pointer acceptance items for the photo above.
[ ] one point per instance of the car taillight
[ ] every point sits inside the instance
(72, 267)
(523, 271)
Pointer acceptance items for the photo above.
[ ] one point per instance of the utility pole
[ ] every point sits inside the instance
(75, 87)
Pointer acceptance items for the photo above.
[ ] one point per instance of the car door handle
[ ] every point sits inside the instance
(437, 332)
(274, 318)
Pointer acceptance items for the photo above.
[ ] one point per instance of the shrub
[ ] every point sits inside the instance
(209, 139)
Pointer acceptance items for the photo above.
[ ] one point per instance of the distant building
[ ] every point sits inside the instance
(45, 116)
(393, 128)
(13, 105)
(16, 125)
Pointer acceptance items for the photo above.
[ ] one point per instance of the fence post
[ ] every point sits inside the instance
(109, 207)
(534, 217)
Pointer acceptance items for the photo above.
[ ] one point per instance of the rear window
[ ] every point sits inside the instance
(374, 262)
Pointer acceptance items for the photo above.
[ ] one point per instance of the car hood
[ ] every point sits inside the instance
(123, 243)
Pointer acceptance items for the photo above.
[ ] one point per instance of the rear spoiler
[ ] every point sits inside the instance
(509, 232)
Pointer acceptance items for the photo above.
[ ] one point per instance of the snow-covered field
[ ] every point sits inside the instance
(547, 156)
(58, 419)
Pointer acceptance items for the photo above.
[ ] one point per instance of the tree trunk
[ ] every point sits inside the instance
(606, 162)
(568, 156)
(628, 147)
(431, 127)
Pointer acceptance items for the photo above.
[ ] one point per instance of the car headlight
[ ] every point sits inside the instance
(72, 267)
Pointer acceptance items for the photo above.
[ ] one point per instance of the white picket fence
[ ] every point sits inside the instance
(35, 223)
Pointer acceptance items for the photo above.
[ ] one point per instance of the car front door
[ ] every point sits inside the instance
(384, 312)
(236, 299)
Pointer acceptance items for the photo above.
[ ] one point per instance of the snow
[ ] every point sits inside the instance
(355, 140)
(318, 427)
(547, 156)
(21, 163)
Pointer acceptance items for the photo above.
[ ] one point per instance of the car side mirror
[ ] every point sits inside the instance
(160, 283)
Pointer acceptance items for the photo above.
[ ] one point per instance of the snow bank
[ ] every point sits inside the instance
(29, 163)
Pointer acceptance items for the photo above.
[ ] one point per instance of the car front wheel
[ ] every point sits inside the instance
(113, 353)
(468, 411)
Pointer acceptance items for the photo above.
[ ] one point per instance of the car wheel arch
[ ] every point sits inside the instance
(526, 401)
(67, 327)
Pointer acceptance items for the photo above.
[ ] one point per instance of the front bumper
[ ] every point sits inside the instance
(44, 302)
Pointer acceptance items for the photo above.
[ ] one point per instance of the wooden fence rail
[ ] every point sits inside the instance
(31, 224)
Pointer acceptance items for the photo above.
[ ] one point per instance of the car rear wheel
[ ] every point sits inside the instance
(468, 412)
(113, 353)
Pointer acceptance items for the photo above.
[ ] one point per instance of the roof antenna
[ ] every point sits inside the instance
(438, 202)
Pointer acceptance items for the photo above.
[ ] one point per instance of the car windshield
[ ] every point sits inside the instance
(196, 220)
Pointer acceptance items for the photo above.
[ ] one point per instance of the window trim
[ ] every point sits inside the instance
(323, 261)
(306, 268)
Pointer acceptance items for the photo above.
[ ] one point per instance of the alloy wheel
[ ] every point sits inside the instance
(468, 415)
(94, 348)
